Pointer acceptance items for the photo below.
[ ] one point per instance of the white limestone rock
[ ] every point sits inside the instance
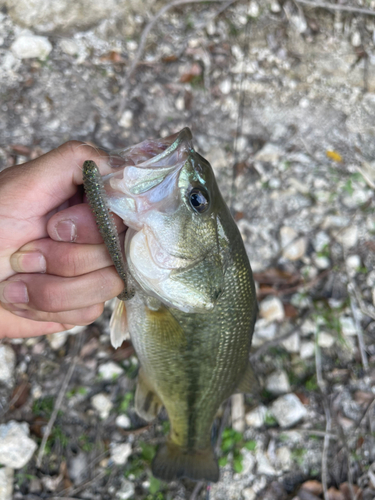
(7, 364)
(16, 448)
(120, 452)
(28, 46)
(278, 382)
(255, 418)
(110, 371)
(6, 483)
(123, 421)
(102, 404)
(288, 410)
(325, 340)
(272, 309)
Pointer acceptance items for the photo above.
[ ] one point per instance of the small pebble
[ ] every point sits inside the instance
(255, 418)
(127, 490)
(307, 350)
(126, 119)
(292, 343)
(322, 262)
(102, 403)
(348, 237)
(225, 86)
(7, 364)
(325, 340)
(293, 247)
(275, 7)
(16, 448)
(288, 410)
(347, 326)
(321, 241)
(123, 421)
(263, 464)
(272, 309)
(249, 494)
(27, 46)
(69, 46)
(57, 340)
(253, 9)
(278, 382)
(110, 371)
(284, 457)
(120, 453)
(353, 263)
(356, 39)
(180, 103)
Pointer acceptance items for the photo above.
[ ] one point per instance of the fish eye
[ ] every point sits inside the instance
(199, 200)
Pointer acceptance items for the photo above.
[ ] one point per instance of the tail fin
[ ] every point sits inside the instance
(173, 462)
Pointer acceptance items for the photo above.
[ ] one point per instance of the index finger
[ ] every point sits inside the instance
(46, 182)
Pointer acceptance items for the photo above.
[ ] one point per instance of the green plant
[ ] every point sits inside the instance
(126, 401)
(232, 443)
(43, 407)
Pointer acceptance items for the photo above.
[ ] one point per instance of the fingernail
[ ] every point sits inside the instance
(66, 230)
(28, 262)
(13, 292)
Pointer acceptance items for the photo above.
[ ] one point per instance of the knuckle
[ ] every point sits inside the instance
(51, 298)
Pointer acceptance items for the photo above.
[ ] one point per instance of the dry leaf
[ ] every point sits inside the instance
(334, 494)
(334, 155)
(313, 486)
(20, 395)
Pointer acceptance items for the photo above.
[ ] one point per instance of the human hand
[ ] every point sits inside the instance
(55, 271)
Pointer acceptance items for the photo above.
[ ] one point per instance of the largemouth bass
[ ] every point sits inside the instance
(190, 302)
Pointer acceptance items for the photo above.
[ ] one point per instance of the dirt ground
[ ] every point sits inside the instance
(280, 97)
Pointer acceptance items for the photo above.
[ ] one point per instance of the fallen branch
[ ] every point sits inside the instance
(341, 8)
(353, 296)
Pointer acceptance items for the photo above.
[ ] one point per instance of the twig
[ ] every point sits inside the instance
(196, 490)
(361, 304)
(341, 8)
(263, 348)
(86, 483)
(352, 297)
(325, 450)
(320, 382)
(142, 42)
(56, 408)
(311, 432)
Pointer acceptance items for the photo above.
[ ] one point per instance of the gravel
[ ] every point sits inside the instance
(284, 110)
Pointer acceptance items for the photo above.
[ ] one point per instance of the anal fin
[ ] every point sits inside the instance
(147, 402)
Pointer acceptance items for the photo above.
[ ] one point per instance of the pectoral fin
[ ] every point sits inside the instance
(118, 325)
(249, 384)
(147, 402)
